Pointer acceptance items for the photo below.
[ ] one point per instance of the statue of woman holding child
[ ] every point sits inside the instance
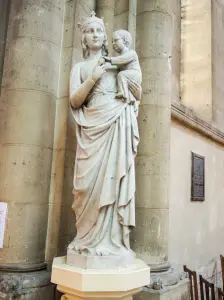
(107, 140)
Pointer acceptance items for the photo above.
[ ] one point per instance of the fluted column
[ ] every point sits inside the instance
(154, 46)
(105, 9)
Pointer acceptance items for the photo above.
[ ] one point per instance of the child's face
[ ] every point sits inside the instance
(118, 43)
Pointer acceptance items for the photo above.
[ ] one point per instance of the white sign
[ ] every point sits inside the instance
(3, 211)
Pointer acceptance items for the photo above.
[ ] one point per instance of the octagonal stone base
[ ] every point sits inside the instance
(100, 262)
(120, 283)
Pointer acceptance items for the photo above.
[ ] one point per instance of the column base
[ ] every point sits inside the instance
(179, 291)
(26, 286)
(161, 279)
(77, 283)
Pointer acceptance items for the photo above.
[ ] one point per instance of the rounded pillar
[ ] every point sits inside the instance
(29, 90)
(154, 47)
(105, 9)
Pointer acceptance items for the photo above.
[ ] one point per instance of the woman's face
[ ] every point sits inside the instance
(94, 36)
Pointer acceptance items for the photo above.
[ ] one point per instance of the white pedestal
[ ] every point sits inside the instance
(89, 284)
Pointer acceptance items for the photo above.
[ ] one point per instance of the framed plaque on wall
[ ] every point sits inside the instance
(197, 177)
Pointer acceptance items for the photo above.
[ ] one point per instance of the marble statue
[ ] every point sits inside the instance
(128, 63)
(107, 140)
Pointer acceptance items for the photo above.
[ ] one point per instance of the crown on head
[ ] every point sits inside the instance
(88, 20)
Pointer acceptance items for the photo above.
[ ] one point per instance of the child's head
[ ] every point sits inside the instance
(121, 39)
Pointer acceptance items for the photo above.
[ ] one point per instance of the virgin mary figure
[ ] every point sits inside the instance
(107, 139)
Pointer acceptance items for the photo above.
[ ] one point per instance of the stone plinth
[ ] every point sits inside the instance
(100, 262)
(77, 283)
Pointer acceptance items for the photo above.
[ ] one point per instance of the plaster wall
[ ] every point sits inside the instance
(196, 228)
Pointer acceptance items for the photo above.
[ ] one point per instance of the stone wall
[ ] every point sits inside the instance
(196, 57)
(196, 228)
(218, 63)
(202, 69)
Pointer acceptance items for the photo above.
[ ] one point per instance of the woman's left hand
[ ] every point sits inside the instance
(136, 89)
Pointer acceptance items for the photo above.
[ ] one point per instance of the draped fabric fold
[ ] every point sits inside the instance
(104, 178)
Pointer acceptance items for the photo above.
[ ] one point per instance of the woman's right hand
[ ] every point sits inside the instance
(98, 71)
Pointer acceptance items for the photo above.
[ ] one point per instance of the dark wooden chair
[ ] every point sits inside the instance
(222, 268)
(192, 275)
(220, 294)
(207, 289)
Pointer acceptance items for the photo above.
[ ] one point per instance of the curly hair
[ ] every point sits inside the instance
(85, 48)
(126, 37)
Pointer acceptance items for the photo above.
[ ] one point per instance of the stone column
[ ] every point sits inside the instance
(66, 229)
(105, 9)
(176, 51)
(29, 93)
(121, 15)
(4, 14)
(154, 46)
(60, 134)
(132, 19)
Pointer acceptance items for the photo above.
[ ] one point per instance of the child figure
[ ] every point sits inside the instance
(128, 64)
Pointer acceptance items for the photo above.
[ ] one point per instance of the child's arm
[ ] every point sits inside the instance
(107, 58)
(123, 59)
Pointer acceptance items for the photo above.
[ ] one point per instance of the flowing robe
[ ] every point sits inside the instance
(104, 177)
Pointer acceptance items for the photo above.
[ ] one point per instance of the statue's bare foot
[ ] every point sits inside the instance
(119, 95)
(102, 251)
(71, 246)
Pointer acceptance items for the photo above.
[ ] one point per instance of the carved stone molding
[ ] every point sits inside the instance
(9, 284)
(12, 282)
(186, 116)
(157, 284)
